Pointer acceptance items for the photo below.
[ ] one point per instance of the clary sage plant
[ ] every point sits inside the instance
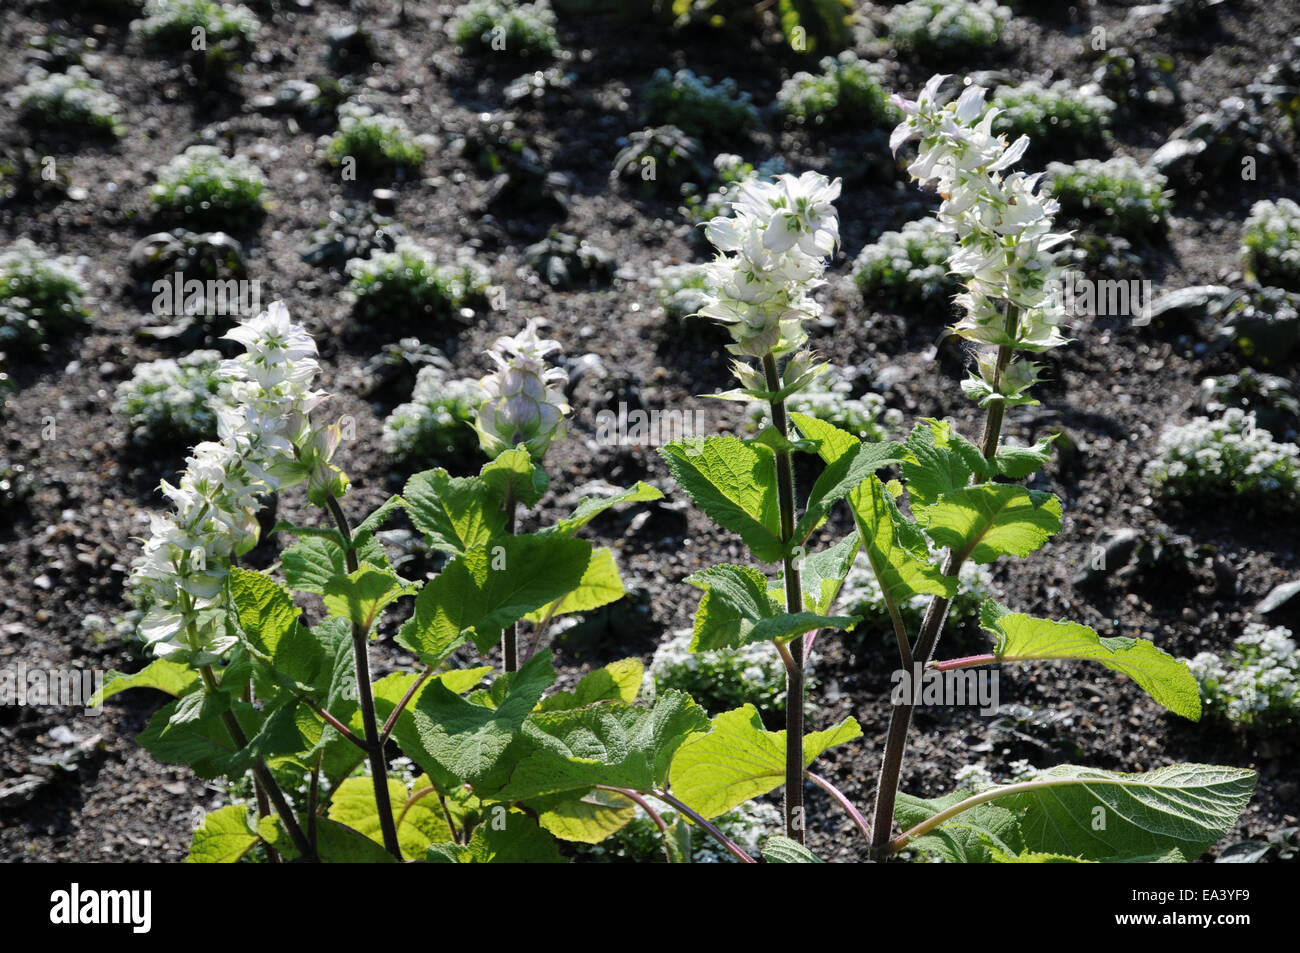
(270, 669)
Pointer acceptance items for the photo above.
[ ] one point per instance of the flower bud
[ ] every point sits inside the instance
(520, 404)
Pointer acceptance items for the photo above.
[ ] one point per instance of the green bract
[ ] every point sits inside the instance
(206, 189)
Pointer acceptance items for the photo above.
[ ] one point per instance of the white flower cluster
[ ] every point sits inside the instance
(264, 443)
(1257, 684)
(435, 423)
(1271, 242)
(520, 402)
(719, 679)
(1003, 224)
(1226, 458)
(70, 98)
(862, 596)
(168, 398)
(772, 255)
(947, 26)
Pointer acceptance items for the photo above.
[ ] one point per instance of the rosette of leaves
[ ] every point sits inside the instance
(41, 298)
(1227, 460)
(565, 261)
(1118, 196)
(205, 188)
(72, 100)
(1222, 141)
(698, 106)
(377, 142)
(203, 255)
(929, 28)
(436, 426)
(846, 94)
(169, 403)
(657, 161)
(1062, 120)
(907, 271)
(517, 176)
(409, 285)
(1270, 243)
(515, 29)
(350, 232)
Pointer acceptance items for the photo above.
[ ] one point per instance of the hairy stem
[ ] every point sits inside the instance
(650, 812)
(795, 822)
(366, 700)
(900, 719)
(510, 634)
(842, 799)
(732, 847)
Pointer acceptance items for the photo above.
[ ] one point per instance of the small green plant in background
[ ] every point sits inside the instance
(515, 29)
(566, 261)
(907, 271)
(828, 398)
(929, 28)
(1270, 243)
(1256, 684)
(227, 30)
(658, 160)
(72, 100)
(1061, 120)
(172, 402)
(207, 189)
(721, 679)
(680, 289)
(410, 284)
(1118, 196)
(436, 426)
(1229, 460)
(846, 94)
(41, 297)
(698, 106)
(377, 142)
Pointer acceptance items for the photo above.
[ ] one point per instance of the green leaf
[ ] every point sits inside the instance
(1019, 462)
(1104, 815)
(939, 461)
(504, 838)
(418, 817)
(842, 475)
(379, 517)
(895, 547)
(310, 564)
(362, 595)
(336, 843)
(224, 837)
(989, 520)
(591, 507)
(191, 731)
(736, 610)
(588, 819)
(617, 681)
(734, 483)
(605, 743)
(1022, 638)
(830, 442)
(824, 574)
(490, 587)
(454, 513)
(467, 740)
(600, 585)
(514, 468)
(174, 678)
(783, 850)
(738, 760)
(265, 609)
(969, 838)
